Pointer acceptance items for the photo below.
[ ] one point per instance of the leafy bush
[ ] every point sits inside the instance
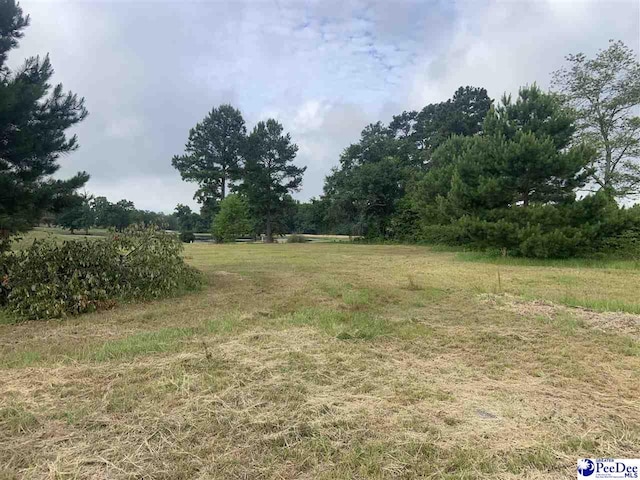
(51, 280)
(187, 237)
(295, 238)
(233, 220)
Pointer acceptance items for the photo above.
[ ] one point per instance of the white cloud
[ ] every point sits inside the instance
(151, 70)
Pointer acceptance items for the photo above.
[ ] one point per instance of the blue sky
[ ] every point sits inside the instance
(150, 70)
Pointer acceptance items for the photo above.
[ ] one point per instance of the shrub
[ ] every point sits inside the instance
(295, 238)
(626, 245)
(233, 220)
(187, 237)
(558, 243)
(51, 280)
(593, 225)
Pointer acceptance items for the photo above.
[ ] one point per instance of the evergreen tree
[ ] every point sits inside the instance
(212, 155)
(364, 192)
(33, 120)
(78, 217)
(269, 175)
(531, 140)
(524, 156)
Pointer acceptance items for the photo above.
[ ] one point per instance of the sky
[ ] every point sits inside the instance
(150, 70)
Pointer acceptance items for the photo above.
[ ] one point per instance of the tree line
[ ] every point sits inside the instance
(86, 212)
(544, 173)
(221, 157)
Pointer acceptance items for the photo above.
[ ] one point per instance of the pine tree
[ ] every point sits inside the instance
(33, 120)
(212, 158)
(535, 161)
(269, 174)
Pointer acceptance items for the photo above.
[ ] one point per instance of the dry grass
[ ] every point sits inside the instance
(330, 361)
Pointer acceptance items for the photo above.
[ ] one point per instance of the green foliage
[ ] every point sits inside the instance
(213, 151)
(605, 93)
(187, 236)
(79, 216)
(522, 158)
(513, 187)
(269, 176)
(187, 220)
(426, 130)
(365, 193)
(295, 238)
(33, 120)
(233, 220)
(118, 215)
(87, 212)
(51, 280)
(626, 243)
(593, 224)
(310, 217)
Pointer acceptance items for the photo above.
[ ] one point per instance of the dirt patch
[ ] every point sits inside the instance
(613, 322)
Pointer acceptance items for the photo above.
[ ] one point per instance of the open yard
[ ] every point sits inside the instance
(330, 361)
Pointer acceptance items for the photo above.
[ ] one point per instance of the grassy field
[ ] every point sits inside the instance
(58, 234)
(331, 361)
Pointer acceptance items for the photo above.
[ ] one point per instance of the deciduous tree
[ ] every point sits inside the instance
(605, 93)
(233, 220)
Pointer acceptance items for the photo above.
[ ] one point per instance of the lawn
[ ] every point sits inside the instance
(331, 361)
(58, 234)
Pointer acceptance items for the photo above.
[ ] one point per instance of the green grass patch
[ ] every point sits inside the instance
(143, 343)
(21, 359)
(6, 318)
(358, 297)
(534, 458)
(354, 325)
(601, 305)
(497, 259)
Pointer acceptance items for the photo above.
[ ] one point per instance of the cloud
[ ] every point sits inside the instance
(150, 70)
(504, 45)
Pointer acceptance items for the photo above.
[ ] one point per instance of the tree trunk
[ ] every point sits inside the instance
(269, 236)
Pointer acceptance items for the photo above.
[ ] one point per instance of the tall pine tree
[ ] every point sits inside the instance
(212, 155)
(269, 174)
(33, 120)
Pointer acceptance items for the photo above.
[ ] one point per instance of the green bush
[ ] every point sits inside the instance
(187, 237)
(233, 221)
(52, 280)
(593, 225)
(626, 245)
(295, 238)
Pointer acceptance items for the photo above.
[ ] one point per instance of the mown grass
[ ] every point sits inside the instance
(60, 234)
(332, 361)
(594, 262)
